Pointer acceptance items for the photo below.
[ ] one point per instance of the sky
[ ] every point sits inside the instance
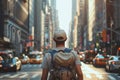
(64, 13)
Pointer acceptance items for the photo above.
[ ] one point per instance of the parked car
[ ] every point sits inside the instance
(82, 56)
(10, 63)
(35, 58)
(99, 60)
(89, 55)
(113, 63)
(24, 59)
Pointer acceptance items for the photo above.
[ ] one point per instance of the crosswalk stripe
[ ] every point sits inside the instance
(25, 75)
(4, 75)
(111, 78)
(88, 76)
(118, 76)
(30, 65)
(40, 65)
(13, 76)
(35, 75)
(35, 65)
(99, 76)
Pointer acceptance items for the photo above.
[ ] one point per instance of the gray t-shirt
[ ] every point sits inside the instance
(47, 59)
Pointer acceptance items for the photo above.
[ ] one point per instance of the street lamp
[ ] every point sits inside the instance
(111, 35)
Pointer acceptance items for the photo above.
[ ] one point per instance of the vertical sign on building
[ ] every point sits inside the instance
(104, 36)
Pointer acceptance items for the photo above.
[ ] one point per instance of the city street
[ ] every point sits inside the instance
(33, 72)
(31, 28)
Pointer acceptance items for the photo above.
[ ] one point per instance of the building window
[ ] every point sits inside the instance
(13, 34)
(18, 36)
(9, 31)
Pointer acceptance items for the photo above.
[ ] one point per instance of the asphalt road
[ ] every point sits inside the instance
(33, 72)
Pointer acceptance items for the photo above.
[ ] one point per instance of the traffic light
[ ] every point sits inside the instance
(119, 48)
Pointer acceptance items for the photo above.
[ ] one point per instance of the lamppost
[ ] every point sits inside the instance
(111, 35)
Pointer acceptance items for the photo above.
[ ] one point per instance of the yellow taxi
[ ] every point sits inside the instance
(35, 58)
(24, 59)
(99, 60)
(82, 56)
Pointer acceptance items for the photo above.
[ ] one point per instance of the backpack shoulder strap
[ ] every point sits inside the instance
(67, 50)
(52, 52)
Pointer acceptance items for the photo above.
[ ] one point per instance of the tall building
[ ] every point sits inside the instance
(14, 23)
(82, 24)
(113, 26)
(91, 19)
(54, 20)
(117, 19)
(85, 28)
(31, 24)
(99, 25)
(116, 24)
(39, 24)
(71, 33)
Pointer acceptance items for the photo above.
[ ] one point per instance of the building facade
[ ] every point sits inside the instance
(14, 23)
(113, 26)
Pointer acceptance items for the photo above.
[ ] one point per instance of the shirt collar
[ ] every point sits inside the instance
(59, 48)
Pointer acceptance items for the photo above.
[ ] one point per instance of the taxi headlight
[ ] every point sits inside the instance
(0, 65)
(11, 65)
(80, 56)
(38, 59)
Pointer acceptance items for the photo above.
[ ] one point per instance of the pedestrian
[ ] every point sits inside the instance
(62, 63)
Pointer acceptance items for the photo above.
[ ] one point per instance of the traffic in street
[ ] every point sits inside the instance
(34, 71)
(59, 39)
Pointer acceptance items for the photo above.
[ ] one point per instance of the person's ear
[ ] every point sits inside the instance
(65, 39)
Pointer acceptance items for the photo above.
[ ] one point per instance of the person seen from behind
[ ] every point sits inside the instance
(53, 68)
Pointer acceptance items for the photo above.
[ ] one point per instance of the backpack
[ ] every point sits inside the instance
(63, 65)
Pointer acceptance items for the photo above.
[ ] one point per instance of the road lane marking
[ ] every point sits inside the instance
(88, 69)
(111, 78)
(88, 76)
(99, 76)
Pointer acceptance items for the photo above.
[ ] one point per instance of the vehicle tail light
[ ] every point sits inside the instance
(113, 62)
(97, 59)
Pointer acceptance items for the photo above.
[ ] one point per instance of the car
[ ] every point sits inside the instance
(89, 55)
(36, 52)
(99, 60)
(11, 52)
(1, 59)
(24, 59)
(35, 58)
(82, 56)
(10, 63)
(113, 63)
